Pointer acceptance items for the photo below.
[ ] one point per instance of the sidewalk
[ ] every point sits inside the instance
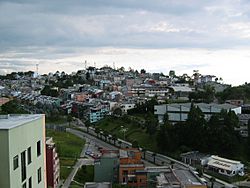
(76, 167)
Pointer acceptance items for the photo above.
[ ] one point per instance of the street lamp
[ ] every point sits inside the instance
(124, 130)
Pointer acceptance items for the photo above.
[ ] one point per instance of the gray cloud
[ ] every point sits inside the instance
(48, 32)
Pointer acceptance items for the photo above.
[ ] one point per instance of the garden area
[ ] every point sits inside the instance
(69, 148)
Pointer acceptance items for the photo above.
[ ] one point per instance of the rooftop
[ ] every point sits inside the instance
(12, 121)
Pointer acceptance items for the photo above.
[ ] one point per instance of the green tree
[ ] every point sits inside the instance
(151, 124)
(69, 119)
(117, 112)
(195, 128)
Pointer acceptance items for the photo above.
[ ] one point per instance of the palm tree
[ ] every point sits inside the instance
(144, 152)
(153, 155)
(69, 119)
(212, 180)
(120, 143)
(97, 131)
(172, 164)
(114, 138)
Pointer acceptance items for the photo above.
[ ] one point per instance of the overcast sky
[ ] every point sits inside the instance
(212, 36)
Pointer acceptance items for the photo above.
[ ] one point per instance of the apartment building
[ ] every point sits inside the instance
(131, 169)
(22, 145)
(52, 164)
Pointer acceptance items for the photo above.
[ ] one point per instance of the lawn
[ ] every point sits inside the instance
(85, 174)
(58, 120)
(68, 147)
(134, 131)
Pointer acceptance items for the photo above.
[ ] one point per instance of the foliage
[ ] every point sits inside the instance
(206, 96)
(68, 147)
(240, 92)
(49, 91)
(85, 174)
(67, 144)
(12, 107)
(151, 124)
(144, 108)
(135, 132)
(117, 112)
(217, 136)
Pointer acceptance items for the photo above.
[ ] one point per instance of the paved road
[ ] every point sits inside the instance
(99, 143)
(160, 160)
(79, 163)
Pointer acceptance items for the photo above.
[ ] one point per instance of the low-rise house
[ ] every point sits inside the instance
(178, 112)
(180, 91)
(127, 106)
(225, 166)
(194, 158)
(131, 169)
(179, 178)
(243, 119)
(98, 112)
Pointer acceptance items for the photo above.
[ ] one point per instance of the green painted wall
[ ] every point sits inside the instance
(4, 158)
(106, 169)
(20, 139)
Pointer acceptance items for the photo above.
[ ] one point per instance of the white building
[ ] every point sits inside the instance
(178, 112)
(22, 145)
(225, 166)
(125, 107)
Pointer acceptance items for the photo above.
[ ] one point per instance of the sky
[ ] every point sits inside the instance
(212, 36)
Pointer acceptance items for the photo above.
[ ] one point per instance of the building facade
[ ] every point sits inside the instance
(52, 164)
(22, 144)
(178, 112)
(131, 169)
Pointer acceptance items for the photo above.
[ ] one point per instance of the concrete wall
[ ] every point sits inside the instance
(4, 158)
(20, 139)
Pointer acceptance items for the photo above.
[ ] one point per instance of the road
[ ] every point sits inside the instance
(81, 161)
(149, 160)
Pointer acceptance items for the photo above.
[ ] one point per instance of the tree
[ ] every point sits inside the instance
(135, 144)
(97, 131)
(212, 180)
(120, 143)
(143, 71)
(114, 138)
(165, 118)
(162, 138)
(117, 112)
(154, 155)
(69, 119)
(195, 128)
(144, 152)
(47, 90)
(151, 124)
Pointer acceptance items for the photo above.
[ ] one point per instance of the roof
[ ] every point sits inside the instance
(196, 155)
(181, 88)
(222, 163)
(11, 121)
(97, 185)
(202, 106)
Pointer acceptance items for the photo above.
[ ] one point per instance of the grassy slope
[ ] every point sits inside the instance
(134, 133)
(68, 147)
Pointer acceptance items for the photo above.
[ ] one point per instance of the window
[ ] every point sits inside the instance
(23, 165)
(15, 162)
(30, 182)
(38, 148)
(39, 175)
(29, 155)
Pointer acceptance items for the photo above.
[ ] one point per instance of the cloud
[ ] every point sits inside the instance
(62, 32)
